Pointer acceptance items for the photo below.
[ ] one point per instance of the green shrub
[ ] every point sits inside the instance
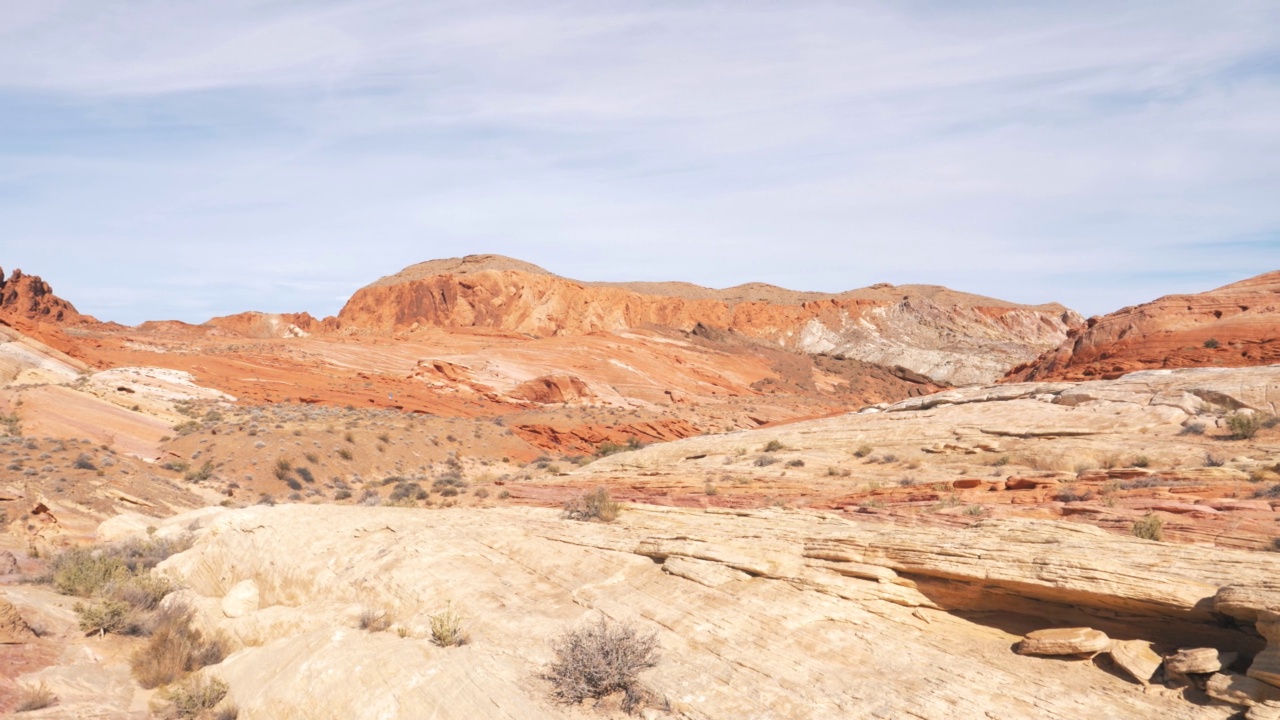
(1244, 426)
(1150, 527)
(597, 504)
(1212, 343)
(82, 572)
(600, 659)
(204, 473)
(108, 616)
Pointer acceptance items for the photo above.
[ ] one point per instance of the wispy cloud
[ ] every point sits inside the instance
(266, 155)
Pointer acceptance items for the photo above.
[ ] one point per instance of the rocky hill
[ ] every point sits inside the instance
(945, 336)
(1233, 326)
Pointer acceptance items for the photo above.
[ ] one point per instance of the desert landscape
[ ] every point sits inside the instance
(889, 502)
(509, 360)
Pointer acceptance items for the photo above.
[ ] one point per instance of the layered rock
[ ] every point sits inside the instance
(928, 331)
(765, 613)
(30, 298)
(1233, 326)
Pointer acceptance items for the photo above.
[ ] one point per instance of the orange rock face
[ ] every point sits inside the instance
(30, 298)
(1234, 326)
(947, 336)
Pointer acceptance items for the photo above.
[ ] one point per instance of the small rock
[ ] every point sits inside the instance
(1064, 641)
(966, 483)
(241, 599)
(1239, 689)
(8, 563)
(1268, 710)
(1191, 661)
(1137, 658)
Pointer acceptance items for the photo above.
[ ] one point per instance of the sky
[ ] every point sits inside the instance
(184, 160)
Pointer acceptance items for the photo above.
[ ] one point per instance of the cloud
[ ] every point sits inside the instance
(276, 155)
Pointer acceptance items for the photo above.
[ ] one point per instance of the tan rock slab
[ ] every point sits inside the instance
(1269, 710)
(1064, 641)
(1192, 661)
(1136, 657)
(1240, 689)
(243, 598)
(13, 629)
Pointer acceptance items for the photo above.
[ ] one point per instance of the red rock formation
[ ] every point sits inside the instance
(1233, 326)
(271, 325)
(934, 332)
(30, 298)
(586, 439)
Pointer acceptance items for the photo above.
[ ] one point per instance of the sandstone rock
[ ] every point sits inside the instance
(1064, 641)
(1245, 602)
(241, 599)
(1137, 658)
(1240, 689)
(1029, 483)
(1266, 664)
(8, 563)
(1265, 710)
(13, 629)
(1190, 661)
(1231, 326)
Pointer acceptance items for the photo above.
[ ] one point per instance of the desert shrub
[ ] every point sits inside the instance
(83, 462)
(1269, 492)
(838, 472)
(374, 620)
(143, 591)
(35, 697)
(292, 484)
(344, 453)
(107, 616)
(1150, 527)
(765, 461)
(1212, 343)
(608, 447)
(711, 489)
(1002, 461)
(597, 504)
(186, 428)
(447, 628)
(195, 696)
(174, 649)
(773, 446)
(1193, 428)
(863, 451)
(341, 494)
(481, 493)
(1244, 426)
(600, 659)
(795, 463)
(304, 474)
(311, 457)
(282, 468)
(975, 510)
(408, 491)
(1211, 460)
(200, 475)
(1072, 494)
(1142, 461)
(12, 424)
(82, 572)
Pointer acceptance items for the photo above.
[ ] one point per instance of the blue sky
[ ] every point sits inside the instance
(191, 159)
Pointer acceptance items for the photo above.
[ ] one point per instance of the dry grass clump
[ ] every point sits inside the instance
(447, 628)
(35, 697)
(597, 504)
(196, 697)
(175, 649)
(1244, 426)
(1150, 527)
(600, 659)
(374, 620)
(118, 581)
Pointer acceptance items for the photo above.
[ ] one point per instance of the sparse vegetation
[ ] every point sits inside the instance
(195, 697)
(795, 463)
(374, 620)
(863, 451)
(175, 649)
(1150, 527)
(773, 446)
(447, 627)
(600, 659)
(597, 504)
(1212, 343)
(282, 468)
(83, 462)
(1244, 426)
(765, 461)
(35, 697)
(1193, 428)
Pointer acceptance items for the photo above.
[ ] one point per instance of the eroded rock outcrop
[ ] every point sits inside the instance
(859, 619)
(928, 331)
(1233, 326)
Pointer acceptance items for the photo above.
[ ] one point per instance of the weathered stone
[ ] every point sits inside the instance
(1266, 664)
(1137, 658)
(1064, 641)
(1240, 689)
(8, 563)
(241, 599)
(1244, 602)
(13, 629)
(1267, 710)
(1192, 661)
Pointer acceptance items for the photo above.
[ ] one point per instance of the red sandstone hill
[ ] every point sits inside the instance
(1232, 326)
(946, 336)
(28, 305)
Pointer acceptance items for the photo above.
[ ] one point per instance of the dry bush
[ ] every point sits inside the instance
(107, 616)
(1150, 527)
(194, 697)
(82, 572)
(447, 629)
(35, 697)
(174, 649)
(600, 659)
(594, 505)
(1244, 426)
(374, 620)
